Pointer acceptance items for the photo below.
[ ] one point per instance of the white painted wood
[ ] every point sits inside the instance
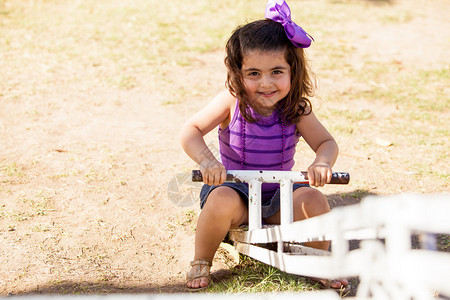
(387, 271)
(286, 202)
(254, 205)
(267, 176)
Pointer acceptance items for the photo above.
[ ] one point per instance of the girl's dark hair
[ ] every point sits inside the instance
(267, 35)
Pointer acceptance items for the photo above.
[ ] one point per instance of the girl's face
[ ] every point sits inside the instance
(267, 78)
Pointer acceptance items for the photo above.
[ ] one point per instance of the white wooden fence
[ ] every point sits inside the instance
(386, 264)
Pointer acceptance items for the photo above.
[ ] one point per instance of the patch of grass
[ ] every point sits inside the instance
(12, 170)
(27, 207)
(19, 216)
(415, 103)
(357, 194)
(347, 121)
(443, 242)
(342, 129)
(40, 228)
(127, 82)
(413, 90)
(37, 206)
(423, 169)
(95, 175)
(351, 115)
(396, 17)
(252, 276)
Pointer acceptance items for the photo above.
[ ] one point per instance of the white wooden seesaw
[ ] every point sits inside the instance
(386, 264)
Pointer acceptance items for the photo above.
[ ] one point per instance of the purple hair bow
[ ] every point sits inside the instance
(278, 11)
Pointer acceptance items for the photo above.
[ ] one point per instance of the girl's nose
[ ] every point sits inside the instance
(266, 81)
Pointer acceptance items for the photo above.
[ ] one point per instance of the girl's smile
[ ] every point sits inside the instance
(267, 78)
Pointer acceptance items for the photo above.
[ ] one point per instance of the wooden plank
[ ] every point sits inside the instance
(323, 266)
(272, 233)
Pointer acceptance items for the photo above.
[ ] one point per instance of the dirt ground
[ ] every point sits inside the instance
(84, 202)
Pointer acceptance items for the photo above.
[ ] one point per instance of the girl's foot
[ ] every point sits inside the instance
(199, 277)
(336, 284)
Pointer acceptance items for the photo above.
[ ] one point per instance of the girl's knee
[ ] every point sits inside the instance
(225, 203)
(224, 199)
(309, 202)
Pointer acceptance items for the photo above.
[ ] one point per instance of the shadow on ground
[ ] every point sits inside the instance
(95, 288)
(104, 288)
(350, 198)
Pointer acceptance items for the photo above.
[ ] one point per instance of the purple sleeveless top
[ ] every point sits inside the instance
(267, 144)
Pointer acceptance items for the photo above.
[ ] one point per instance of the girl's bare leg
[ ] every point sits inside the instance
(308, 203)
(223, 210)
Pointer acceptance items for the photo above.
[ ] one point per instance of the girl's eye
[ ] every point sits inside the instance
(253, 74)
(276, 72)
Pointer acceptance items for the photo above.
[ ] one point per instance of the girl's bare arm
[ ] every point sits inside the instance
(214, 113)
(323, 144)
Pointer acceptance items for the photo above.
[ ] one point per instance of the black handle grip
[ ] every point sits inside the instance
(336, 177)
(340, 178)
(197, 176)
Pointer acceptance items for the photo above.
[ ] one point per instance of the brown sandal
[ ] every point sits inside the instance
(199, 272)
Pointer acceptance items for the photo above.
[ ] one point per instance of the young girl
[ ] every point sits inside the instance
(261, 117)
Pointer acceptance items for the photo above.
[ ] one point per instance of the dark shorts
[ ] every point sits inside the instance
(268, 209)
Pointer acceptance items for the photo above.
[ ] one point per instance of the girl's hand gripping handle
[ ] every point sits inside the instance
(212, 172)
(336, 177)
